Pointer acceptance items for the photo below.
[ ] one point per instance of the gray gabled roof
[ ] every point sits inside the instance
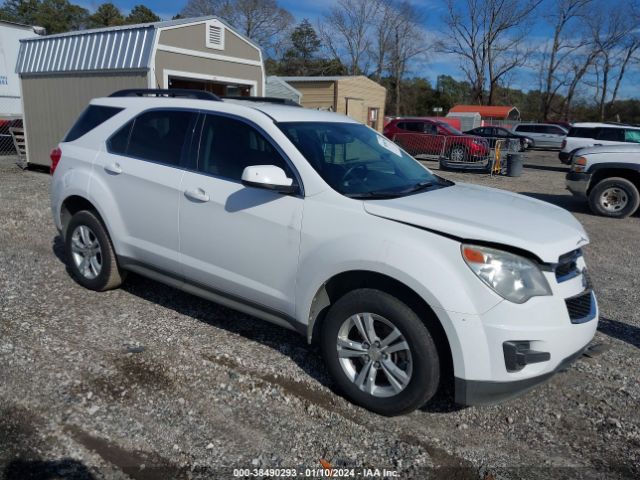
(122, 48)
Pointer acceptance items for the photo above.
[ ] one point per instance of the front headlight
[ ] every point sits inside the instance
(579, 164)
(513, 277)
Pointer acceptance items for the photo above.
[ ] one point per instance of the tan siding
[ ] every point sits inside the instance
(185, 63)
(193, 37)
(316, 94)
(364, 92)
(53, 103)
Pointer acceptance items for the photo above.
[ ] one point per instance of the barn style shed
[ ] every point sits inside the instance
(357, 96)
(60, 74)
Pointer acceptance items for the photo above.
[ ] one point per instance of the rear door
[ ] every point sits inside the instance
(554, 135)
(239, 241)
(142, 169)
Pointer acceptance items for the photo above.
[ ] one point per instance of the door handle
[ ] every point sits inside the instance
(197, 195)
(114, 168)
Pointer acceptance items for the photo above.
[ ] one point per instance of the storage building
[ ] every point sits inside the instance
(60, 74)
(278, 88)
(357, 96)
(489, 112)
(10, 36)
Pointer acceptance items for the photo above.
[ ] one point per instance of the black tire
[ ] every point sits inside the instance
(110, 275)
(622, 189)
(425, 377)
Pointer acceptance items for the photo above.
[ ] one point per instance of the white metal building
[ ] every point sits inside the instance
(10, 36)
(278, 88)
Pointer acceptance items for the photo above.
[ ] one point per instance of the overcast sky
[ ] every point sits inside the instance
(433, 10)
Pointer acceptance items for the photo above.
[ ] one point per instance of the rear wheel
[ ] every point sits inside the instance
(89, 253)
(614, 197)
(379, 352)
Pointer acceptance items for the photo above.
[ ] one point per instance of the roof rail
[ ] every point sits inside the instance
(276, 100)
(624, 124)
(172, 93)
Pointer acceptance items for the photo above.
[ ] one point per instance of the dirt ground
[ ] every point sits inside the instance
(149, 382)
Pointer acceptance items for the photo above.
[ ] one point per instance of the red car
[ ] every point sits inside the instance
(420, 136)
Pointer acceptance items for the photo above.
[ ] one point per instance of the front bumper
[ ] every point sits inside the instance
(477, 392)
(578, 183)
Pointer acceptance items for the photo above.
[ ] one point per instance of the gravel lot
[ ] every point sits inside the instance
(149, 382)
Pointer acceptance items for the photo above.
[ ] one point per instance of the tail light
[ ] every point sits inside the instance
(564, 144)
(55, 156)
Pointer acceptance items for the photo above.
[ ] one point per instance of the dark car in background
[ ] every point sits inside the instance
(420, 136)
(494, 134)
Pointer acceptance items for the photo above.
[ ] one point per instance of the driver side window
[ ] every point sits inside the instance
(228, 146)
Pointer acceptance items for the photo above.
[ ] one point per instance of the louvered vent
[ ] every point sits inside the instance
(215, 35)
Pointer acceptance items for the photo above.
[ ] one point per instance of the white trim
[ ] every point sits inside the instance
(211, 56)
(166, 73)
(151, 78)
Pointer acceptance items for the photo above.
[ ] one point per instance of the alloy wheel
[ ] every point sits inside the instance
(86, 252)
(374, 354)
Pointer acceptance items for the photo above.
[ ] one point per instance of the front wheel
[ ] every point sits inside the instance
(614, 197)
(380, 353)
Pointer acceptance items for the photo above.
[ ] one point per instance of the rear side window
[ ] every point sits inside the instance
(93, 116)
(158, 136)
(611, 134)
(632, 136)
(412, 126)
(581, 132)
(526, 128)
(550, 129)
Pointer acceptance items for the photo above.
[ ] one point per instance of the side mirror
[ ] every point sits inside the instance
(269, 177)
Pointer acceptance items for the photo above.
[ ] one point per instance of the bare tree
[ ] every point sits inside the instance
(488, 37)
(382, 41)
(346, 33)
(615, 41)
(263, 21)
(407, 42)
(564, 43)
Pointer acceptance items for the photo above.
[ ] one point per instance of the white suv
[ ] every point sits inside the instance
(317, 223)
(596, 134)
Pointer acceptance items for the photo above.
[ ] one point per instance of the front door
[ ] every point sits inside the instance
(239, 241)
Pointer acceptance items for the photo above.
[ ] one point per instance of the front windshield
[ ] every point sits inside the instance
(358, 162)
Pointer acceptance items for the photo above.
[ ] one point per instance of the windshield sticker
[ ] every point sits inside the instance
(389, 145)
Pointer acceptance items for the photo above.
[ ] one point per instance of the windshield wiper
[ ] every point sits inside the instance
(391, 193)
(371, 195)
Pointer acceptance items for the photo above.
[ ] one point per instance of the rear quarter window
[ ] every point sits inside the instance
(93, 116)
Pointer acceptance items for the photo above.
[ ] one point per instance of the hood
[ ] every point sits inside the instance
(472, 212)
(613, 148)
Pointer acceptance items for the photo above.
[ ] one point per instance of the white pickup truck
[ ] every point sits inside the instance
(609, 177)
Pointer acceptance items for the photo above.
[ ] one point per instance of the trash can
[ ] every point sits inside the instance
(514, 164)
